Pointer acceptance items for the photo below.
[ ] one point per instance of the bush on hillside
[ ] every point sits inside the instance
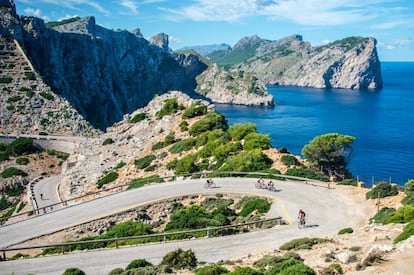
(108, 141)
(409, 186)
(302, 243)
(261, 205)
(112, 176)
(289, 160)
(22, 161)
(144, 162)
(170, 107)
(211, 269)
(347, 230)
(402, 215)
(383, 215)
(351, 182)
(21, 146)
(306, 172)
(140, 182)
(256, 141)
(4, 203)
(238, 131)
(186, 165)
(212, 121)
(138, 117)
(11, 172)
(408, 231)
(408, 199)
(73, 271)
(138, 263)
(183, 145)
(247, 161)
(290, 266)
(382, 190)
(196, 109)
(180, 259)
(269, 261)
(239, 270)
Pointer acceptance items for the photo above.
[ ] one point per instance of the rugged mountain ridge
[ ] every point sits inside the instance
(350, 63)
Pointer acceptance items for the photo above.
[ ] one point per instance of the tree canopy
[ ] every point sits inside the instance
(329, 152)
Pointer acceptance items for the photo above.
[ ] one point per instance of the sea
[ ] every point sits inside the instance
(382, 122)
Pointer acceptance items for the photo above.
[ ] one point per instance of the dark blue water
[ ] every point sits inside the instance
(382, 122)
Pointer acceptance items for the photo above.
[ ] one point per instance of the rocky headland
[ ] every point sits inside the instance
(350, 63)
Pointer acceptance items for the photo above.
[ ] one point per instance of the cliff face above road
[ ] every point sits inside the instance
(348, 63)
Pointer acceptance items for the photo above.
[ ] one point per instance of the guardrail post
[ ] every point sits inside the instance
(208, 233)
(4, 256)
(63, 249)
(116, 243)
(165, 238)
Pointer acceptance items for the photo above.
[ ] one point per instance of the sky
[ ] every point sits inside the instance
(205, 22)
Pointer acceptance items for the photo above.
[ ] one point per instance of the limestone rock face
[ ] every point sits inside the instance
(350, 63)
(235, 87)
(160, 40)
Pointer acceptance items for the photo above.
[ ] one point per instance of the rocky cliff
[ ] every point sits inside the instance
(350, 63)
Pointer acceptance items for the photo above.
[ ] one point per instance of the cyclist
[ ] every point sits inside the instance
(301, 216)
(209, 182)
(270, 185)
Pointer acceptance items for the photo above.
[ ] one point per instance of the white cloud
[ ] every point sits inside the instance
(131, 5)
(303, 12)
(36, 13)
(76, 4)
(403, 43)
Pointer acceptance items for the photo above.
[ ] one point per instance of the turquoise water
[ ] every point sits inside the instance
(382, 122)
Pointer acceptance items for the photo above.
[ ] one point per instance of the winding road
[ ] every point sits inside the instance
(327, 211)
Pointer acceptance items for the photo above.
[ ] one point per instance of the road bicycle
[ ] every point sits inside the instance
(301, 223)
(210, 184)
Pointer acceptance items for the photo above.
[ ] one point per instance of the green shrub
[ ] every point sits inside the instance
(333, 269)
(212, 269)
(112, 176)
(382, 190)
(238, 131)
(402, 215)
(245, 271)
(289, 160)
(127, 229)
(144, 162)
(347, 230)
(256, 141)
(21, 146)
(138, 263)
(355, 248)
(22, 161)
(247, 161)
(29, 75)
(4, 156)
(138, 117)
(383, 215)
(283, 150)
(185, 165)
(180, 259)
(408, 199)
(47, 96)
(261, 205)
(212, 121)
(183, 126)
(306, 172)
(303, 243)
(58, 154)
(351, 182)
(171, 106)
(291, 266)
(73, 271)
(409, 186)
(13, 99)
(108, 141)
(196, 109)
(12, 171)
(15, 192)
(183, 145)
(140, 182)
(6, 80)
(4, 203)
(170, 139)
(52, 24)
(269, 261)
(120, 165)
(408, 231)
(157, 146)
(116, 271)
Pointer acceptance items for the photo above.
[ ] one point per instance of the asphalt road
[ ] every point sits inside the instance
(46, 193)
(327, 212)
